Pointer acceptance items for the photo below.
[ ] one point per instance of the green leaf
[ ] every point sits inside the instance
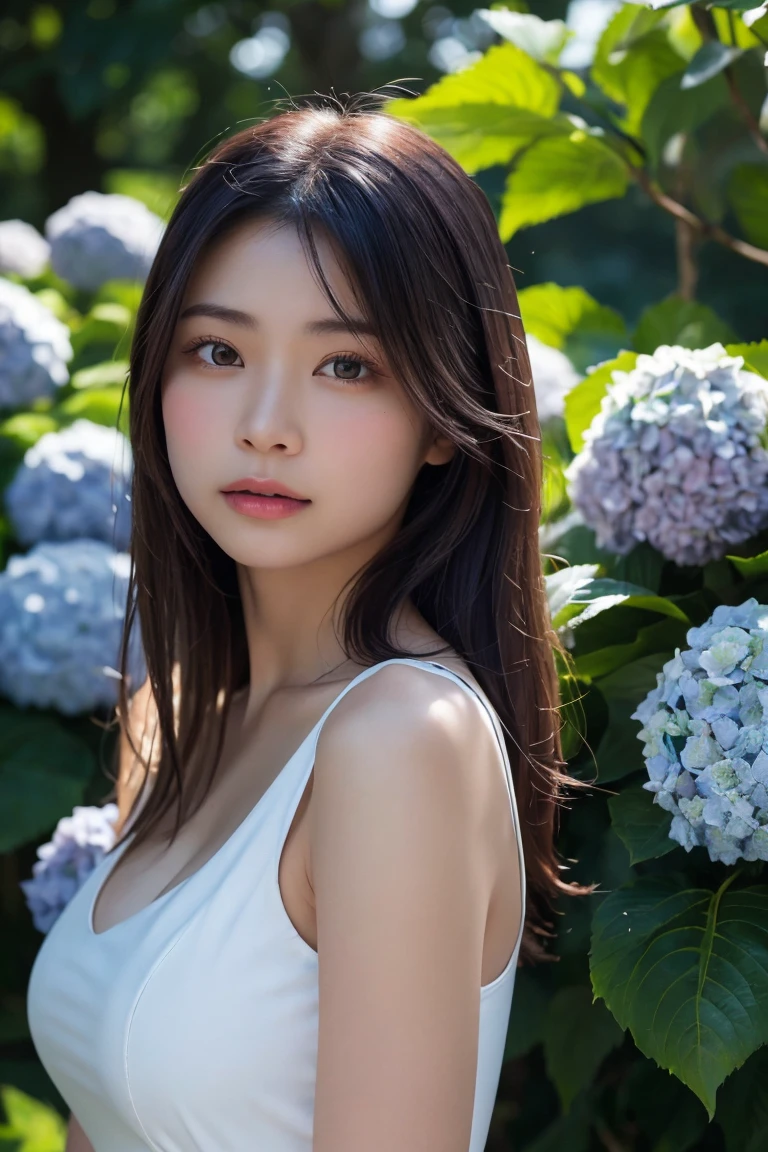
(158, 190)
(619, 752)
(748, 196)
(583, 401)
(672, 110)
(544, 40)
(101, 375)
(750, 567)
(44, 771)
(755, 356)
(678, 321)
(484, 114)
(561, 585)
(31, 1126)
(98, 404)
(686, 970)
(641, 824)
(552, 313)
(658, 637)
(104, 324)
(571, 1132)
(25, 428)
(603, 593)
(632, 58)
(578, 1036)
(711, 58)
(556, 176)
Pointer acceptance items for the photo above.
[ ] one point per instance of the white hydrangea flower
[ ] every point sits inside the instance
(74, 483)
(705, 733)
(61, 614)
(65, 862)
(98, 237)
(22, 249)
(34, 347)
(553, 377)
(677, 456)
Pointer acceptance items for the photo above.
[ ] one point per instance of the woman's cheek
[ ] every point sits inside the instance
(189, 417)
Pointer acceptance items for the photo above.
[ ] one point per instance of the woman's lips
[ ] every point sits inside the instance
(264, 507)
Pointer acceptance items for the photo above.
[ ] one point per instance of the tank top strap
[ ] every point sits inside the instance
(477, 693)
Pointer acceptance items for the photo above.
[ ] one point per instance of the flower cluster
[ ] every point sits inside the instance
(62, 607)
(553, 377)
(34, 347)
(74, 483)
(98, 237)
(66, 861)
(705, 727)
(677, 456)
(22, 249)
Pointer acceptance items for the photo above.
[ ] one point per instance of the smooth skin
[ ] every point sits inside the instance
(405, 876)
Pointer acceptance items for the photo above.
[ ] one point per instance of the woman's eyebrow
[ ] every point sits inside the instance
(245, 320)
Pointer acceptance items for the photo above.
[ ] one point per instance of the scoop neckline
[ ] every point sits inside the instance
(250, 815)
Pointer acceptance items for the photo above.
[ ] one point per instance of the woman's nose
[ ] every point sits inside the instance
(269, 418)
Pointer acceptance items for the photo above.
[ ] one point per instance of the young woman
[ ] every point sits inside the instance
(307, 942)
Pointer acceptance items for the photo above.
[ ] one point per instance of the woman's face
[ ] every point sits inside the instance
(267, 395)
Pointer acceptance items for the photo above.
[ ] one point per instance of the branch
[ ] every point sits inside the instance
(702, 227)
(745, 111)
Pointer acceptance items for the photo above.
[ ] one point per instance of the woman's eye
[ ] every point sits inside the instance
(350, 368)
(220, 354)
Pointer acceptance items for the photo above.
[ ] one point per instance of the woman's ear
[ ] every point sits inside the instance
(440, 451)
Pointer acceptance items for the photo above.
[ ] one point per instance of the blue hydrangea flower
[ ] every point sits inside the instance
(22, 249)
(66, 861)
(74, 483)
(34, 347)
(677, 456)
(61, 614)
(98, 237)
(705, 733)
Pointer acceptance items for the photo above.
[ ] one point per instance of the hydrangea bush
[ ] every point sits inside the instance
(35, 347)
(61, 613)
(65, 862)
(97, 237)
(705, 728)
(677, 456)
(22, 249)
(74, 483)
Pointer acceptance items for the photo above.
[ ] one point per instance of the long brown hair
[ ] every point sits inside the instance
(419, 242)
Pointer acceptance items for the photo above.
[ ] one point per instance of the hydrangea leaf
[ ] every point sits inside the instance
(619, 752)
(484, 114)
(748, 195)
(712, 58)
(583, 402)
(105, 324)
(103, 375)
(603, 593)
(602, 660)
(158, 190)
(579, 1033)
(641, 824)
(25, 428)
(673, 109)
(755, 356)
(101, 405)
(544, 40)
(30, 1125)
(750, 567)
(556, 176)
(686, 971)
(683, 322)
(561, 585)
(44, 771)
(553, 313)
(632, 58)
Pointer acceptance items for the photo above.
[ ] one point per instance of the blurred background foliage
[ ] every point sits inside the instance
(127, 96)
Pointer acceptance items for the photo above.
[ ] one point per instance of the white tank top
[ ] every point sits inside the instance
(192, 1024)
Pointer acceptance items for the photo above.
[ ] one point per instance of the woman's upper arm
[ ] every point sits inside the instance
(401, 896)
(77, 1141)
